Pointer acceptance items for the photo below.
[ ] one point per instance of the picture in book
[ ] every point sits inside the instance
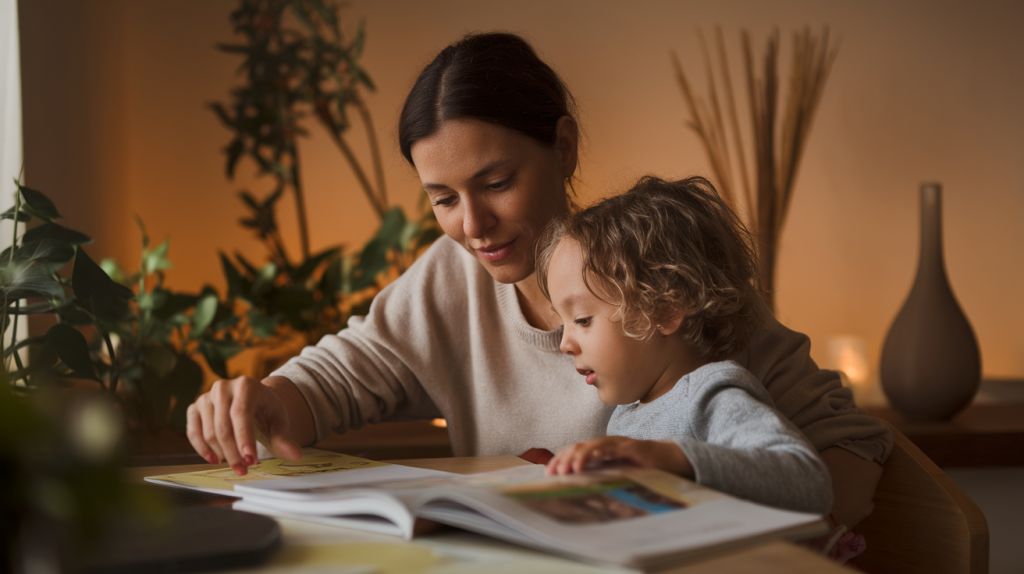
(590, 500)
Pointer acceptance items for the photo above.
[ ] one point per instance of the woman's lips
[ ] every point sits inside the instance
(496, 252)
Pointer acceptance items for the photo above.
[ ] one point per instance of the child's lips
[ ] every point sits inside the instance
(590, 375)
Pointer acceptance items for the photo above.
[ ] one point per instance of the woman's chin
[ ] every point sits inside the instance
(507, 272)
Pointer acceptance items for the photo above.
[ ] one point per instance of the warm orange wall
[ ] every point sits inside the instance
(115, 124)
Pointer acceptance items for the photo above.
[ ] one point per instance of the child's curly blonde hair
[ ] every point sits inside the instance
(661, 248)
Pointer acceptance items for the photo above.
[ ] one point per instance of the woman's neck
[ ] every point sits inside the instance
(535, 306)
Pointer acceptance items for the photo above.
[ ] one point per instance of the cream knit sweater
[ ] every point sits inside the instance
(446, 340)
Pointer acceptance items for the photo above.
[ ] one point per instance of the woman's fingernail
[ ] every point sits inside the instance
(250, 460)
(212, 458)
(238, 468)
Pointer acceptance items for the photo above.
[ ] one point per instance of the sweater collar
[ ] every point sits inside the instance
(509, 302)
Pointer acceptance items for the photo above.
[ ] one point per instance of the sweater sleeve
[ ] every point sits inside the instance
(372, 370)
(746, 448)
(811, 398)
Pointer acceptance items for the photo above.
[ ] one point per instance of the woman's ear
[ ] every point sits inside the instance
(567, 145)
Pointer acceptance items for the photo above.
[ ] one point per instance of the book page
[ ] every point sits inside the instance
(223, 480)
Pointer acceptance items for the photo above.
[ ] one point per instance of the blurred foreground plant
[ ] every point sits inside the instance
(60, 481)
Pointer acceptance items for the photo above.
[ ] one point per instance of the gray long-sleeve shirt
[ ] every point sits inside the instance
(737, 442)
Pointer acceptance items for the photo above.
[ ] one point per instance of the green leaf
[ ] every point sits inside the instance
(72, 315)
(217, 353)
(51, 255)
(142, 228)
(391, 227)
(73, 350)
(56, 233)
(331, 281)
(234, 152)
(9, 214)
(203, 316)
(23, 280)
(263, 326)
(160, 359)
(38, 204)
(427, 236)
(356, 49)
(264, 278)
(361, 76)
(232, 276)
(249, 267)
(173, 304)
(372, 261)
(111, 267)
(153, 300)
(97, 293)
(155, 259)
(309, 265)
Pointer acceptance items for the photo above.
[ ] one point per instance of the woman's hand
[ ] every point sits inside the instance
(665, 455)
(224, 423)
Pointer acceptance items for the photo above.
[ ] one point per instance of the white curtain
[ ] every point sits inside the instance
(10, 120)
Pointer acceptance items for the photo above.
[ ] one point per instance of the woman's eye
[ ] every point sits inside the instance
(499, 184)
(443, 201)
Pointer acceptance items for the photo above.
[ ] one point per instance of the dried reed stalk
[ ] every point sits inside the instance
(776, 157)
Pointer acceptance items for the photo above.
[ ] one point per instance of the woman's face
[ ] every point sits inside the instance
(493, 189)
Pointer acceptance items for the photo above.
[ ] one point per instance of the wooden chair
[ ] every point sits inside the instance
(922, 521)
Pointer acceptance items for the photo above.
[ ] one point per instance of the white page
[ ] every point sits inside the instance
(320, 486)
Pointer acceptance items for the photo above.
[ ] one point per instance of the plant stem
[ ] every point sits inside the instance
(14, 333)
(114, 373)
(360, 175)
(300, 203)
(14, 244)
(371, 136)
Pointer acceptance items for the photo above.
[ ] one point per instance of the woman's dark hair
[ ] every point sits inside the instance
(494, 77)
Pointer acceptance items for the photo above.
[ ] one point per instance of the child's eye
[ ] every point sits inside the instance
(583, 321)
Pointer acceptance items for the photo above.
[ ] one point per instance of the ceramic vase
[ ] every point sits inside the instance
(931, 366)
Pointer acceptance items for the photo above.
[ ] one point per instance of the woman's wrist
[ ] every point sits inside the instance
(300, 417)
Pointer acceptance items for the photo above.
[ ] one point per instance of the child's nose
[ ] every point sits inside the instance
(567, 346)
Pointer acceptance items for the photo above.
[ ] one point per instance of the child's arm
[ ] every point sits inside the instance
(663, 454)
(743, 446)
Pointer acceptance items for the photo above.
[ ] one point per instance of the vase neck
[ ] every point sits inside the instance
(931, 262)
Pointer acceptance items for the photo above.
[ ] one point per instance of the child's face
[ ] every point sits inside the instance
(623, 369)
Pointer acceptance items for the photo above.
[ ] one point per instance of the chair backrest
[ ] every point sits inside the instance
(922, 521)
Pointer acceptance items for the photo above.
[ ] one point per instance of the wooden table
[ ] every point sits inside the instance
(484, 554)
(981, 435)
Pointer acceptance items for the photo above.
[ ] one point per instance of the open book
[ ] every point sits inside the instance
(629, 517)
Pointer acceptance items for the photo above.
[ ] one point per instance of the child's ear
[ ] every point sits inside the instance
(670, 322)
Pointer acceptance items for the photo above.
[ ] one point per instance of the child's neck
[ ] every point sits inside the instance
(685, 359)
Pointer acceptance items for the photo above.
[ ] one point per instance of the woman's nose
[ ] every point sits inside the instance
(477, 218)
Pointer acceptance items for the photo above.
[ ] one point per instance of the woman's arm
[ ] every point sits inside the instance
(852, 443)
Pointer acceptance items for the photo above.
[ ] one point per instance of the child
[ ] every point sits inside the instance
(655, 287)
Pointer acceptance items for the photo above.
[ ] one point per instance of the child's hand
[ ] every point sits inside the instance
(665, 455)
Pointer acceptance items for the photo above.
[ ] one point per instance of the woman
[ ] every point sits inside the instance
(466, 333)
